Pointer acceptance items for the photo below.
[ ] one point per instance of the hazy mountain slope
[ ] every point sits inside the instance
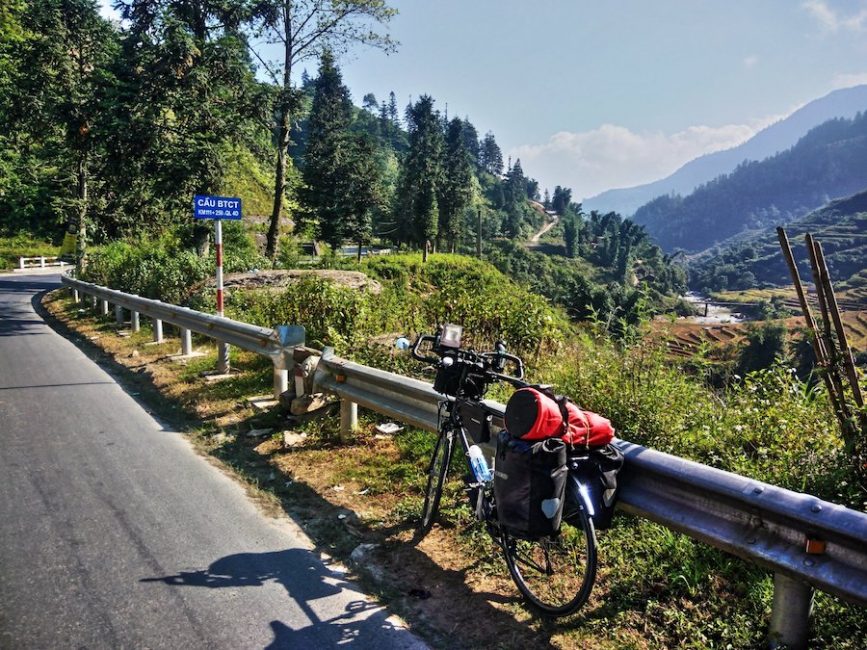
(827, 163)
(780, 136)
(755, 259)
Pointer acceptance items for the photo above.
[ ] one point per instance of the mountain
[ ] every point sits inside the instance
(829, 162)
(846, 102)
(755, 259)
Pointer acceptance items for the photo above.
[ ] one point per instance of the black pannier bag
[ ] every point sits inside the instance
(529, 485)
(597, 473)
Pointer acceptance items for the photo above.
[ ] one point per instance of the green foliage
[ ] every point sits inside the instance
(757, 260)
(152, 269)
(23, 245)
(765, 344)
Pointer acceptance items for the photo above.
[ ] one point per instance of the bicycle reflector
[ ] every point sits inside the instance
(451, 336)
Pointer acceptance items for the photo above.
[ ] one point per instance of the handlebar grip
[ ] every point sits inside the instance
(416, 354)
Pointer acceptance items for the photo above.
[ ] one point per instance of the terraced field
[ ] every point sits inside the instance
(687, 339)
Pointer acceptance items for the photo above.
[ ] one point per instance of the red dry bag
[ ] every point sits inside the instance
(533, 415)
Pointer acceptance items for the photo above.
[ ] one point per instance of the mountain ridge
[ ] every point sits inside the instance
(777, 137)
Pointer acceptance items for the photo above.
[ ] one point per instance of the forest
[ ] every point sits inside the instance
(825, 164)
(109, 130)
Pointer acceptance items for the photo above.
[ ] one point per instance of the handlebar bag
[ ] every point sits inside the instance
(533, 415)
(529, 485)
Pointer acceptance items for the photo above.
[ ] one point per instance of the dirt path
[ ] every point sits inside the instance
(545, 228)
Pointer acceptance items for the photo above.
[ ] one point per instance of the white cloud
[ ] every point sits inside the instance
(613, 156)
(750, 61)
(832, 20)
(848, 79)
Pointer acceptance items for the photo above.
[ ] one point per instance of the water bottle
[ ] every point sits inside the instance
(479, 464)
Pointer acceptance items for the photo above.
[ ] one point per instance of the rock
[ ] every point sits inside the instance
(134, 354)
(361, 553)
(257, 433)
(291, 439)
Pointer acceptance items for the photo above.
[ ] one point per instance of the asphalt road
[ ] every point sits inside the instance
(114, 533)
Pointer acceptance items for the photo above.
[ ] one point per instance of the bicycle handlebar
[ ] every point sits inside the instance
(492, 363)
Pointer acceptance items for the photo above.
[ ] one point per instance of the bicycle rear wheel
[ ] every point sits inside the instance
(436, 476)
(555, 574)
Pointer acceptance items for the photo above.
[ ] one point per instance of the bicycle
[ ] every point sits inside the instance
(555, 574)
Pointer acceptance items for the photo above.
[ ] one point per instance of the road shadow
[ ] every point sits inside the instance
(309, 582)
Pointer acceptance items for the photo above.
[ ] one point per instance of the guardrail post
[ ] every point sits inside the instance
(103, 308)
(134, 323)
(222, 357)
(118, 314)
(158, 330)
(42, 261)
(281, 381)
(76, 298)
(93, 301)
(21, 263)
(348, 418)
(186, 342)
(790, 616)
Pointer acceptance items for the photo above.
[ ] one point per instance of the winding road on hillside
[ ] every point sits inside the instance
(115, 533)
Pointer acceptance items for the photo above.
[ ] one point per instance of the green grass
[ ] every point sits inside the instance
(11, 248)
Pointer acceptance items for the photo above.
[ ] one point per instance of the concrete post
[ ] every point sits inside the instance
(42, 261)
(93, 301)
(790, 616)
(348, 418)
(21, 263)
(281, 381)
(118, 314)
(158, 330)
(76, 298)
(222, 357)
(103, 307)
(134, 321)
(186, 342)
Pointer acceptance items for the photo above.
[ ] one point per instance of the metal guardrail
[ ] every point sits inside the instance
(807, 542)
(40, 262)
(260, 340)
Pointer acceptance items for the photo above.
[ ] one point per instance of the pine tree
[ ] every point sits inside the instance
(490, 156)
(325, 192)
(417, 208)
(456, 190)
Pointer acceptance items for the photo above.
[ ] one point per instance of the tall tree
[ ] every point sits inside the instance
(456, 190)
(570, 235)
(303, 29)
(364, 191)
(63, 65)
(490, 156)
(323, 194)
(418, 208)
(187, 96)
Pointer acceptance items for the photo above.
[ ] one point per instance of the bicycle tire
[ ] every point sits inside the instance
(436, 476)
(555, 574)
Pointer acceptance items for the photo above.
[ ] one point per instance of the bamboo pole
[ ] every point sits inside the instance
(830, 346)
(846, 351)
(819, 350)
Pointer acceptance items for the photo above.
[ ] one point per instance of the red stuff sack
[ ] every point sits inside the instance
(533, 415)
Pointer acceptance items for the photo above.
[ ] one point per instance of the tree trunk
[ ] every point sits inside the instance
(424, 250)
(359, 251)
(284, 111)
(202, 239)
(81, 239)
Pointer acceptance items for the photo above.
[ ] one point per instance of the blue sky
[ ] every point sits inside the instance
(594, 95)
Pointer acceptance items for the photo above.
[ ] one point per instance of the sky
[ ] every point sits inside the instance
(596, 95)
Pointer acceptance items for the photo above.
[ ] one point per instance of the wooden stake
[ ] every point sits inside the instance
(845, 350)
(818, 345)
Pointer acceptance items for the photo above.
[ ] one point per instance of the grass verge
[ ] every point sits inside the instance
(657, 589)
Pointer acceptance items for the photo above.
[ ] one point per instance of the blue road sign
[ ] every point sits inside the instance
(216, 207)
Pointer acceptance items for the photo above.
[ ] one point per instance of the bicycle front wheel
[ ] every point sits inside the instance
(555, 574)
(436, 477)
